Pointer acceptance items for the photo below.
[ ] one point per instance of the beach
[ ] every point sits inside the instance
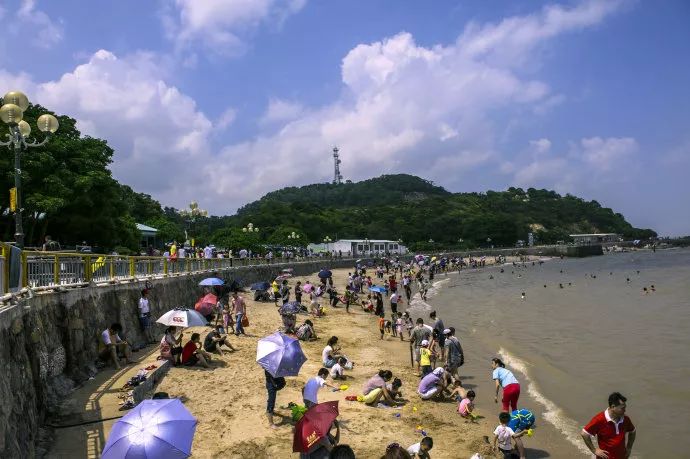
(230, 400)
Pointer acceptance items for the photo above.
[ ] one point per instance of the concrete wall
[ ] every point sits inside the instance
(49, 342)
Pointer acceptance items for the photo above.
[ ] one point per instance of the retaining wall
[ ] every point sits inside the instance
(49, 342)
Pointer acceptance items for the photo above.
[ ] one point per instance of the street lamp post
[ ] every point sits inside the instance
(366, 246)
(293, 235)
(190, 215)
(250, 228)
(12, 111)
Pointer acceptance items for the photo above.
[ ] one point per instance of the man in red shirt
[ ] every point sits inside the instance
(610, 427)
(193, 354)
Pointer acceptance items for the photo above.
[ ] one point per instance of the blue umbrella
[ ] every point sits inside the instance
(153, 429)
(260, 286)
(376, 288)
(293, 307)
(324, 274)
(212, 281)
(280, 355)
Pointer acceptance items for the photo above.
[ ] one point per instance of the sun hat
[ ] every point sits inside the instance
(438, 371)
(425, 342)
(446, 331)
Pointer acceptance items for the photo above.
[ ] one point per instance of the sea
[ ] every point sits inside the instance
(575, 330)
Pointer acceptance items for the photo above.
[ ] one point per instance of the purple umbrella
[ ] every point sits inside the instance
(153, 429)
(280, 355)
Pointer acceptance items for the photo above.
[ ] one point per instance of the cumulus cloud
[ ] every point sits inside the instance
(540, 146)
(221, 26)
(45, 32)
(281, 111)
(226, 118)
(606, 153)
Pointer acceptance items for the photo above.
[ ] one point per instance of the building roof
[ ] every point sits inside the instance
(370, 240)
(593, 234)
(146, 230)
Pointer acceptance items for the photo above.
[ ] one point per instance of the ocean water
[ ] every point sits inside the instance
(600, 333)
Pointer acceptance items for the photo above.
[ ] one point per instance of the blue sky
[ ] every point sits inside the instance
(221, 101)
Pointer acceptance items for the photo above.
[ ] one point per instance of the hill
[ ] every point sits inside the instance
(415, 210)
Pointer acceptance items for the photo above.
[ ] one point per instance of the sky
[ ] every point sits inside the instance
(222, 101)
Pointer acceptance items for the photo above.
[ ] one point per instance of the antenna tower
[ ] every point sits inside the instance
(337, 176)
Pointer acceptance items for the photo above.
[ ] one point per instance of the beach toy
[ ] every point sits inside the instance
(530, 432)
(396, 415)
(414, 408)
(344, 387)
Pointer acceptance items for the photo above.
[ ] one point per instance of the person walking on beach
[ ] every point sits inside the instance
(610, 427)
(239, 308)
(455, 355)
(419, 334)
(439, 327)
(273, 385)
(505, 379)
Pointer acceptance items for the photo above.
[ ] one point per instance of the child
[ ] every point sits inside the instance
(399, 324)
(466, 405)
(338, 370)
(408, 324)
(421, 449)
(504, 436)
(382, 325)
(425, 358)
(394, 317)
(227, 318)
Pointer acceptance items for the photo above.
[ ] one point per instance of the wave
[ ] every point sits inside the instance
(417, 304)
(553, 414)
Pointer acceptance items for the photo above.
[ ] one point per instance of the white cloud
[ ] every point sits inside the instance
(46, 33)
(281, 111)
(540, 146)
(606, 153)
(226, 118)
(222, 25)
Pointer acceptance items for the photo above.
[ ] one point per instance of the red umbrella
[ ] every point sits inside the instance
(314, 425)
(206, 304)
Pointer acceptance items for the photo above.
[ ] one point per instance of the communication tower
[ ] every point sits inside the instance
(337, 176)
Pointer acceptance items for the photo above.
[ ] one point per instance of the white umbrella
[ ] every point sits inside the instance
(182, 317)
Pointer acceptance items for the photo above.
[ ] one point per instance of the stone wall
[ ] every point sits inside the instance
(49, 342)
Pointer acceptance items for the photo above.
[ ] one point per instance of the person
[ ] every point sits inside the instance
(312, 386)
(395, 451)
(382, 325)
(215, 339)
(521, 421)
(274, 290)
(338, 370)
(425, 358)
(386, 393)
(466, 404)
(239, 307)
(306, 332)
(504, 437)
(193, 354)
(273, 385)
(145, 316)
(342, 452)
(227, 317)
(330, 353)
(314, 303)
(50, 245)
(379, 304)
(439, 327)
(421, 449)
(112, 346)
(298, 292)
(505, 379)
(285, 292)
(379, 380)
(610, 427)
(432, 385)
(455, 357)
(400, 325)
(208, 252)
(419, 334)
(394, 299)
(173, 252)
(171, 346)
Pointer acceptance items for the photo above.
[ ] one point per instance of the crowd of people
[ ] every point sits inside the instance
(435, 352)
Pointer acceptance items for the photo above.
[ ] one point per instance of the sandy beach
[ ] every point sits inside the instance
(230, 399)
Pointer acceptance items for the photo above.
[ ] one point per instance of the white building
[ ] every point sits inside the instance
(360, 247)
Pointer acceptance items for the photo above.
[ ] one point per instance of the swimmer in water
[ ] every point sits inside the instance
(627, 279)
(653, 288)
(645, 290)
(523, 295)
(560, 285)
(544, 285)
(491, 276)
(570, 283)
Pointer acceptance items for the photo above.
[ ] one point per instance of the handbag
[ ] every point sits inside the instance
(245, 321)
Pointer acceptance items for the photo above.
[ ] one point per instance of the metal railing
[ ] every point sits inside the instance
(47, 270)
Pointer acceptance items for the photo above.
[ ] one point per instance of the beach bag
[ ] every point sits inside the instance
(245, 320)
(297, 412)
(279, 383)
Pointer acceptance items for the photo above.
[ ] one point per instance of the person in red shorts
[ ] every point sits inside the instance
(610, 427)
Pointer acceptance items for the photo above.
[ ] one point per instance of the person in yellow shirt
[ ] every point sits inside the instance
(425, 358)
(274, 289)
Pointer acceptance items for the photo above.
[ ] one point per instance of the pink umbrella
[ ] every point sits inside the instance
(206, 304)
(307, 288)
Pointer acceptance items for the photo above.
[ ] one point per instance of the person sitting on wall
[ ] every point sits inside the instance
(113, 347)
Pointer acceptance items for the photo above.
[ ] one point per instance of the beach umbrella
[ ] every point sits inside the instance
(206, 304)
(153, 429)
(314, 425)
(212, 281)
(260, 286)
(324, 274)
(293, 307)
(433, 258)
(182, 317)
(283, 277)
(280, 355)
(287, 270)
(307, 288)
(376, 288)
(358, 260)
